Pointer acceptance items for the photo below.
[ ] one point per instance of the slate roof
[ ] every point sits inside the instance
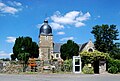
(57, 47)
(82, 46)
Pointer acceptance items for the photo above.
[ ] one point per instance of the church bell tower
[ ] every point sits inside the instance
(45, 42)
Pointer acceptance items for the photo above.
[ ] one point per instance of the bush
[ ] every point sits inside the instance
(88, 70)
(113, 70)
(67, 65)
(113, 66)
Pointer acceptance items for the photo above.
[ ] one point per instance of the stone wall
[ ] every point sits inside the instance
(11, 68)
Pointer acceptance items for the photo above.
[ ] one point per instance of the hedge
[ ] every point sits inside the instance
(114, 66)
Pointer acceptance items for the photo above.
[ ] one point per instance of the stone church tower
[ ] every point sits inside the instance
(45, 42)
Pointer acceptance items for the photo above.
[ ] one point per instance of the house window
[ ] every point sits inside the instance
(57, 55)
(90, 50)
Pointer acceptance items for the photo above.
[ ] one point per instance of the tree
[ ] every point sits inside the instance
(115, 52)
(105, 36)
(5, 59)
(29, 47)
(24, 57)
(69, 49)
(13, 57)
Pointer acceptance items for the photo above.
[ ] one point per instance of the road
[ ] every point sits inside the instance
(59, 77)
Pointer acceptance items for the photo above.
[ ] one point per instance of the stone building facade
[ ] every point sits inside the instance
(50, 50)
(45, 42)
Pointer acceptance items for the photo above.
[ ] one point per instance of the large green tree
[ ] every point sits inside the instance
(106, 37)
(69, 49)
(29, 47)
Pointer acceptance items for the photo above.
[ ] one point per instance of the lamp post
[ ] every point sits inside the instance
(23, 48)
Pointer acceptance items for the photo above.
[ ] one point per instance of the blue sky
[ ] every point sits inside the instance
(69, 19)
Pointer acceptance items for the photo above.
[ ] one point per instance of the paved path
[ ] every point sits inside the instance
(59, 77)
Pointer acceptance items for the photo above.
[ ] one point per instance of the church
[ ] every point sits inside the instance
(51, 50)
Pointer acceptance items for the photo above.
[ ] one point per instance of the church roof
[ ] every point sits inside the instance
(82, 46)
(45, 29)
(57, 47)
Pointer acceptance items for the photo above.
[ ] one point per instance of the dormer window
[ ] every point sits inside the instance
(90, 50)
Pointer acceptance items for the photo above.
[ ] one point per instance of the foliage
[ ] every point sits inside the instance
(13, 57)
(69, 49)
(5, 59)
(87, 70)
(113, 70)
(113, 66)
(88, 57)
(29, 47)
(67, 65)
(24, 57)
(105, 36)
(115, 53)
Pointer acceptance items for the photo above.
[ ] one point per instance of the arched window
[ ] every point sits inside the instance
(90, 50)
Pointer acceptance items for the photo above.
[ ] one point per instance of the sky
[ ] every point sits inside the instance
(69, 19)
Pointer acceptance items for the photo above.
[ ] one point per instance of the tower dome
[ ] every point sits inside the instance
(45, 29)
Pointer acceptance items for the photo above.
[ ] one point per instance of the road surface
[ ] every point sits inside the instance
(59, 77)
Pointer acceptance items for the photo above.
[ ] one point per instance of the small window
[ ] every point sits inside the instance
(90, 50)
(57, 55)
(77, 62)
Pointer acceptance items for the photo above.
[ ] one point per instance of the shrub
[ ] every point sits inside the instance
(113, 70)
(67, 65)
(87, 70)
(113, 66)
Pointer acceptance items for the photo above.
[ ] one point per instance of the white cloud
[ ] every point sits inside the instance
(72, 15)
(83, 17)
(60, 33)
(66, 19)
(17, 3)
(39, 25)
(9, 9)
(56, 26)
(11, 39)
(75, 18)
(67, 38)
(14, 3)
(79, 24)
(3, 54)
(72, 18)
